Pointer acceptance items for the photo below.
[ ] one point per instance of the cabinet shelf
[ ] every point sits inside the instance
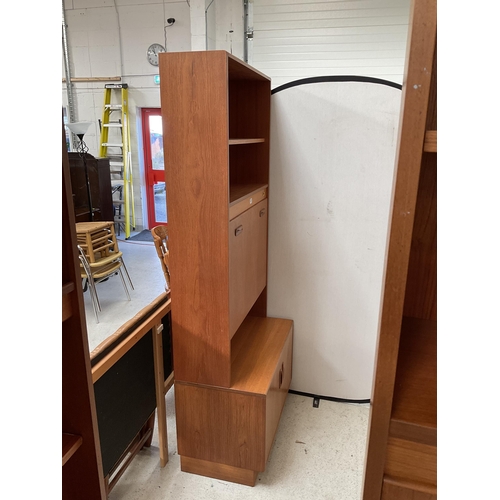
(430, 141)
(244, 196)
(414, 407)
(70, 443)
(233, 142)
(255, 350)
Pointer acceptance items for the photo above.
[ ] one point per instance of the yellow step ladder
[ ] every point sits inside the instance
(115, 144)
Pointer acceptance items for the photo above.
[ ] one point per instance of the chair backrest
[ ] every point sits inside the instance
(160, 238)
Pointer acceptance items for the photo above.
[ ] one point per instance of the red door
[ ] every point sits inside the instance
(154, 167)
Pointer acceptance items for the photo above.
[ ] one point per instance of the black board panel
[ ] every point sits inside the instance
(125, 398)
(168, 365)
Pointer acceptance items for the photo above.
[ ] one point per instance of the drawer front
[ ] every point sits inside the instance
(278, 391)
(247, 262)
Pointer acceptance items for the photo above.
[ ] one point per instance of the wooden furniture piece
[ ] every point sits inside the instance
(82, 476)
(131, 373)
(103, 428)
(160, 238)
(100, 257)
(100, 188)
(402, 441)
(232, 364)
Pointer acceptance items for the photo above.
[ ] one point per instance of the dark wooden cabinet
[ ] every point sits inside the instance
(100, 188)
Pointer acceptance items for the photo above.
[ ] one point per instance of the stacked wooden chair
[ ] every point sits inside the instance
(99, 257)
(160, 238)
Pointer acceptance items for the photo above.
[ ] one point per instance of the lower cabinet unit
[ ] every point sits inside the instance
(227, 433)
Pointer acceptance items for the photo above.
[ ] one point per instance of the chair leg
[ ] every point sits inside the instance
(95, 300)
(124, 284)
(126, 272)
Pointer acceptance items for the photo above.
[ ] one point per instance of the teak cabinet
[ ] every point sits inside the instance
(401, 459)
(232, 364)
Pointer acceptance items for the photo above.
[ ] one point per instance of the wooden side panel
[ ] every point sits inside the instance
(194, 100)
(82, 476)
(219, 425)
(277, 393)
(415, 99)
(411, 461)
(247, 262)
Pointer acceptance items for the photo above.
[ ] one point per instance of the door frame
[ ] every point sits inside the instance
(150, 176)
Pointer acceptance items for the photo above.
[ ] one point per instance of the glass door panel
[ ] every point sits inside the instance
(154, 167)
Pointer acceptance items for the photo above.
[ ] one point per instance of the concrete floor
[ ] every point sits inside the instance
(145, 272)
(318, 452)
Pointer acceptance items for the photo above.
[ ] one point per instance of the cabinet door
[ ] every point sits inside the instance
(247, 262)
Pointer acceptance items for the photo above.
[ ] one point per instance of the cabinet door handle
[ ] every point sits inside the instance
(262, 212)
(281, 375)
(238, 230)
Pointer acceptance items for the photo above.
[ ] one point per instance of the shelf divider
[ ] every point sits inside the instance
(430, 141)
(233, 142)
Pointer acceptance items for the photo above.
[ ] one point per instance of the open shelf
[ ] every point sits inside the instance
(233, 142)
(244, 196)
(255, 350)
(70, 443)
(414, 407)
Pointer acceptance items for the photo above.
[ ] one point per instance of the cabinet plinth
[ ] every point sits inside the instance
(232, 364)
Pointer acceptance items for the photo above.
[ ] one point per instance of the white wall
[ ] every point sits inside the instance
(296, 39)
(292, 39)
(109, 38)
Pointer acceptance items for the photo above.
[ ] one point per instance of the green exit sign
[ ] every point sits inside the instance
(157, 79)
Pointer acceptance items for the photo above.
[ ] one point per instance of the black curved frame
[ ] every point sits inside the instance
(336, 78)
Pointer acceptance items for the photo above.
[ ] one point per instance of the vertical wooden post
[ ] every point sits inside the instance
(160, 393)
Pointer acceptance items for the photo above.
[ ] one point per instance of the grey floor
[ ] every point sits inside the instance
(318, 452)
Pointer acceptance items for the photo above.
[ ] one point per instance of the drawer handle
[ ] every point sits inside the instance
(262, 212)
(281, 375)
(238, 230)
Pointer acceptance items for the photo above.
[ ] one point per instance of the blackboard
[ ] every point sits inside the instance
(125, 398)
